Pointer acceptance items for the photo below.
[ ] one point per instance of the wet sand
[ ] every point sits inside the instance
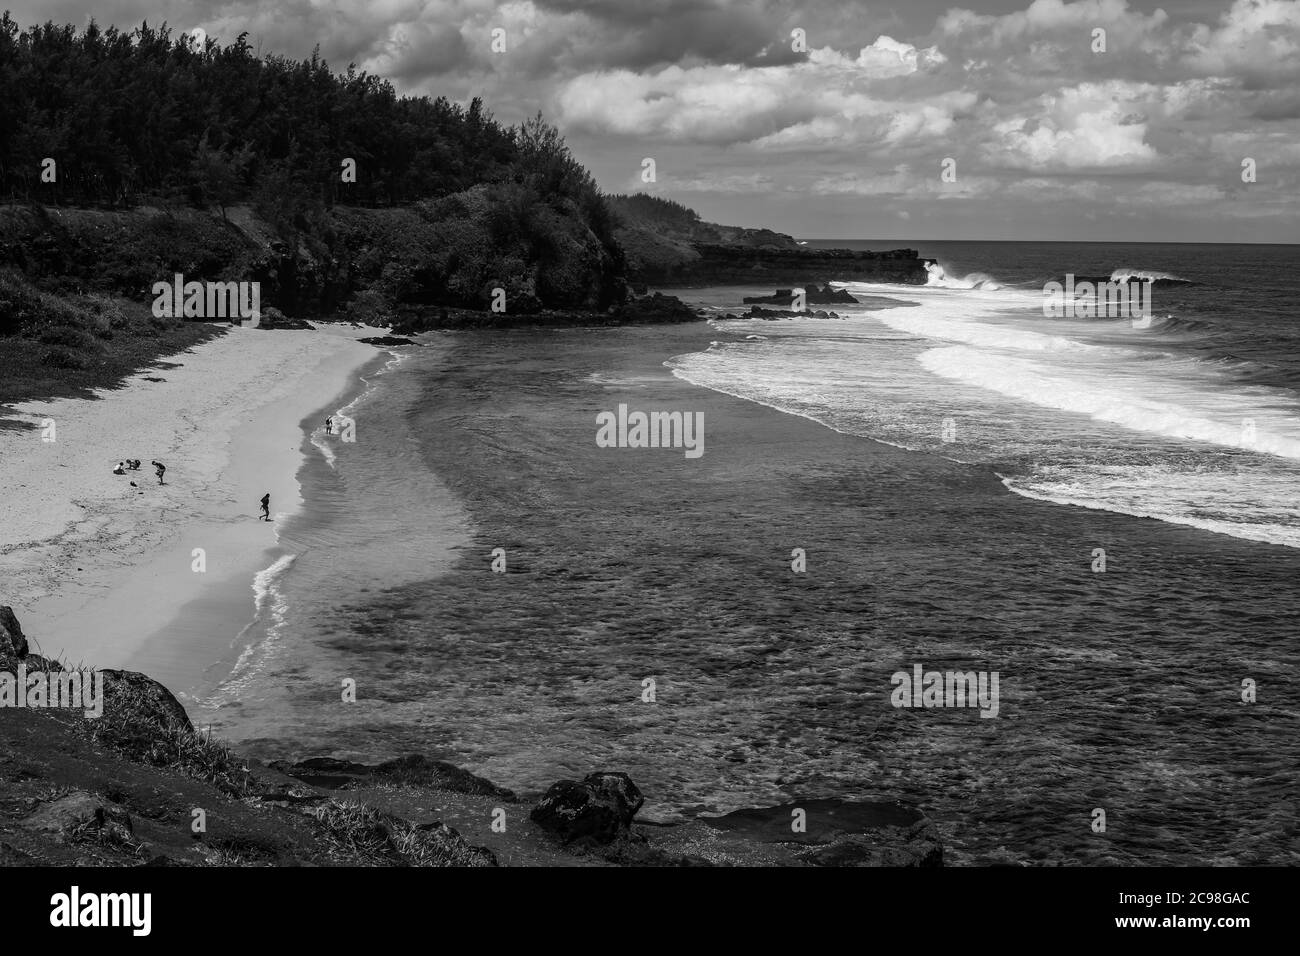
(99, 571)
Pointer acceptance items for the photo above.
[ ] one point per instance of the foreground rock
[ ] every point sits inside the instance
(13, 643)
(131, 696)
(78, 812)
(596, 810)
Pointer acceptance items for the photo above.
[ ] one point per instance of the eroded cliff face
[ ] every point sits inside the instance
(720, 265)
(709, 254)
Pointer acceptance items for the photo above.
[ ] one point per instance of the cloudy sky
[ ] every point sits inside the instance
(844, 134)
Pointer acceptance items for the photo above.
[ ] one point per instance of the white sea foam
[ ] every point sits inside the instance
(1079, 418)
(1173, 408)
(1145, 275)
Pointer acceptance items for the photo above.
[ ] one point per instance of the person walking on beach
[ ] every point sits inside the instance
(159, 468)
(266, 507)
(329, 425)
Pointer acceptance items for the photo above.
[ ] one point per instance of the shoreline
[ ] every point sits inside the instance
(107, 575)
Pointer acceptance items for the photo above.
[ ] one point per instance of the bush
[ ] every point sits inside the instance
(20, 302)
(66, 335)
(370, 308)
(65, 358)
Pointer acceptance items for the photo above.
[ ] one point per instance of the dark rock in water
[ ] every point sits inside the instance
(12, 640)
(420, 771)
(915, 847)
(813, 295)
(655, 308)
(825, 820)
(328, 772)
(839, 832)
(596, 810)
(132, 697)
(386, 340)
(413, 769)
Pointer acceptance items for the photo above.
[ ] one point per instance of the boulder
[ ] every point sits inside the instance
(13, 643)
(131, 696)
(656, 307)
(596, 810)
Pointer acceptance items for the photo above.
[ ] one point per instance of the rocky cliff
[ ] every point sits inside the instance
(665, 243)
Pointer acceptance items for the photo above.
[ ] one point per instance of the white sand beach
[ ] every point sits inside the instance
(97, 568)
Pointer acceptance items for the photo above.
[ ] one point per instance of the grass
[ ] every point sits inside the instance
(358, 834)
(129, 726)
(66, 346)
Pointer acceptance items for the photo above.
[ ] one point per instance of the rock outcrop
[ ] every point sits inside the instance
(813, 295)
(710, 264)
(132, 697)
(596, 810)
(13, 643)
(413, 770)
(757, 312)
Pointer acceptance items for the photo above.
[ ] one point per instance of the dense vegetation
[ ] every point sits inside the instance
(148, 119)
(654, 211)
(126, 157)
(146, 115)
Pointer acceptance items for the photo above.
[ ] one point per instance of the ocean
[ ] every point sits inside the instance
(1194, 419)
(950, 461)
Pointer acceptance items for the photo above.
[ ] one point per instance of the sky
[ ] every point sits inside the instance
(1100, 120)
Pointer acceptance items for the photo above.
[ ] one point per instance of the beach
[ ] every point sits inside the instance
(101, 564)
(510, 596)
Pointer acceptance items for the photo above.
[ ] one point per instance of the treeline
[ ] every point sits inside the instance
(642, 209)
(148, 115)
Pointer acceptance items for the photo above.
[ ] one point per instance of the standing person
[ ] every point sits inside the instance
(329, 425)
(159, 468)
(266, 507)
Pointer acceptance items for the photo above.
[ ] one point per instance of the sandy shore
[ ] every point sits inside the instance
(97, 566)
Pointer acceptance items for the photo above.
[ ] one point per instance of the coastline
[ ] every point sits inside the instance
(775, 686)
(105, 575)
